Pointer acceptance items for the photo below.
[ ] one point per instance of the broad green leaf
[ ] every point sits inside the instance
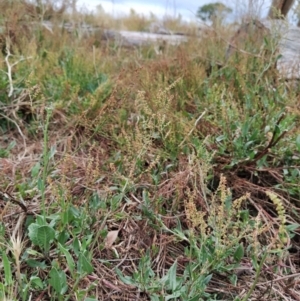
(172, 276)
(36, 282)
(63, 237)
(86, 241)
(51, 153)
(40, 220)
(35, 170)
(84, 264)
(207, 279)
(74, 212)
(66, 217)
(41, 235)
(40, 184)
(254, 262)
(36, 264)
(45, 236)
(58, 281)
(295, 172)
(245, 128)
(233, 279)
(76, 246)
(70, 261)
(239, 253)
(54, 280)
(32, 233)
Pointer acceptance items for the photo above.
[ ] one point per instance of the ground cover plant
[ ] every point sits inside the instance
(132, 174)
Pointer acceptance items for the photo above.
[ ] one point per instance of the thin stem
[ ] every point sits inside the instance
(246, 298)
(45, 160)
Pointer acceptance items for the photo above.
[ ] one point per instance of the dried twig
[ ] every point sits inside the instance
(10, 66)
(7, 197)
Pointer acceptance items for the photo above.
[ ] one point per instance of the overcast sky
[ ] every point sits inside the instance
(187, 8)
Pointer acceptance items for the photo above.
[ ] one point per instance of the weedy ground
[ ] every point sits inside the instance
(128, 174)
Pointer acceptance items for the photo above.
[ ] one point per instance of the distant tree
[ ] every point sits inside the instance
(213, 11)
(297, 12)
(100, 10)
(280, 8)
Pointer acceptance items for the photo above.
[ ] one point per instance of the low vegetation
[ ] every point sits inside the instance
(128, 174)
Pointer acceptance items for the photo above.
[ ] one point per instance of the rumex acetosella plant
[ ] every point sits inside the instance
(226, 240)
(222, 243)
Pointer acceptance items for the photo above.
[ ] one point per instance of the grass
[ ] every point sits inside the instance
(128, 174)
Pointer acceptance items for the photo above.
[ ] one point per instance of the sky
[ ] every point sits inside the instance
(186, 8)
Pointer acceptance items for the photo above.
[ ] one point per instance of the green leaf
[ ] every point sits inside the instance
(36, 282)
(32, 233)
(86, 241)
(207, 279)
(220, 138)
(298, 142)
(239, 253)
(254, 262)
(40, 220)
(125, 279)
(40, 184)
(76, 246)
(70, 261)
(58, 281)
(36, 264)
(233, 279)
(41, 236)
(45, 236)
(292, 227)
(51, 153)
(295, 172)
(11, 145)
(2, 291)
(172, 276)
(7, 269)
(84, 265)
(244, 214)
(63, 237)
(35, 170)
